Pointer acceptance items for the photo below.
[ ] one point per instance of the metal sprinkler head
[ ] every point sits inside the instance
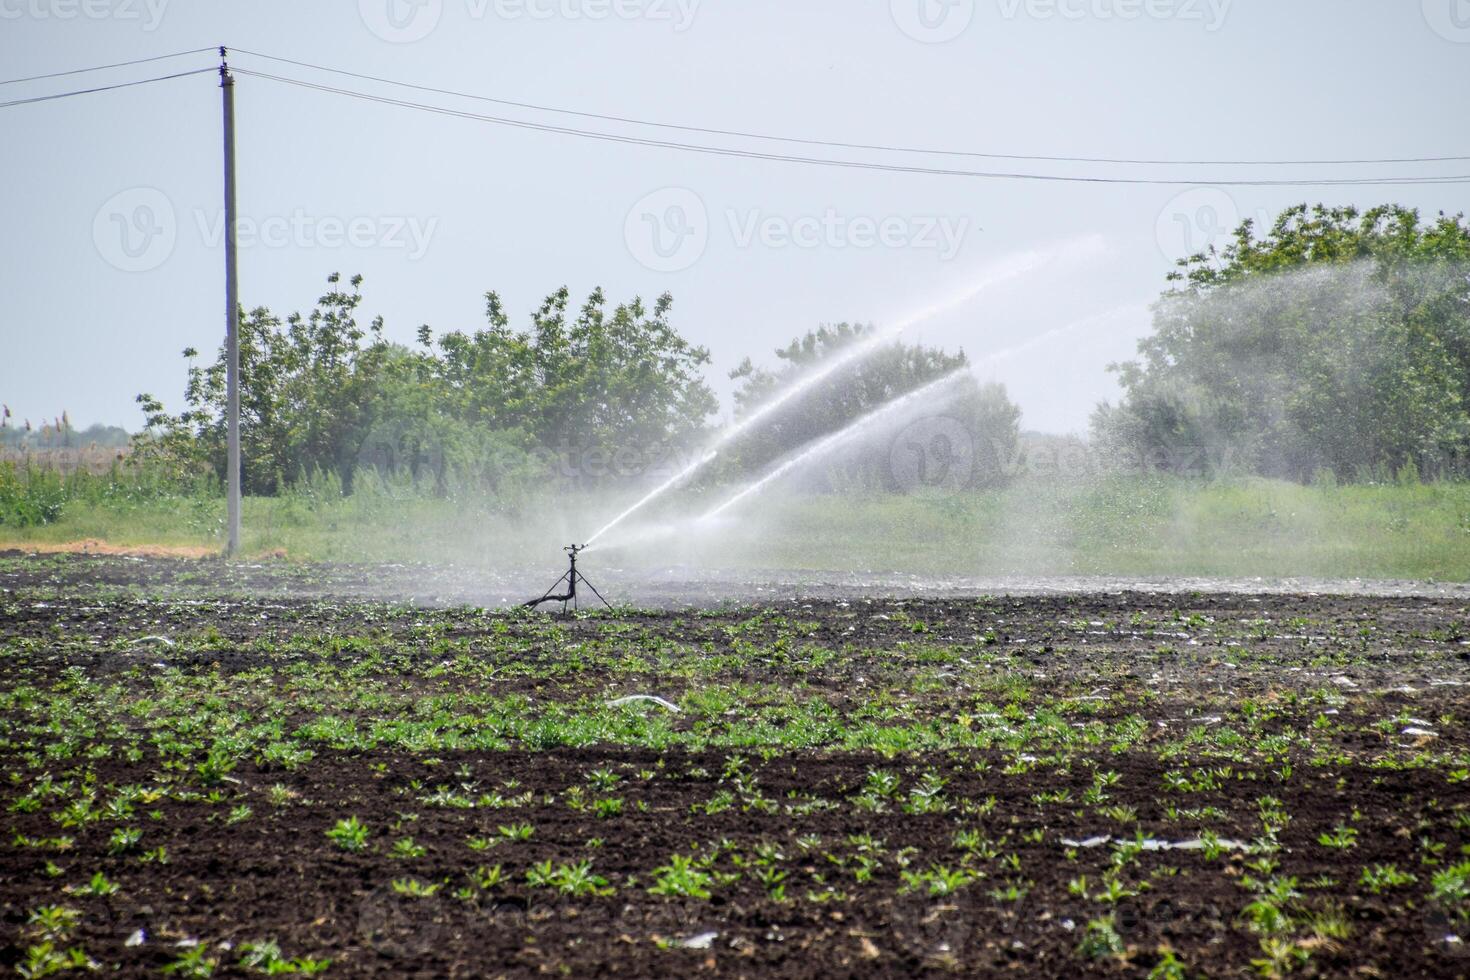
(571, 577)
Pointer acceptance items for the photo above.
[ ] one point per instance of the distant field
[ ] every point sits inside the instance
(66, 459)
(1037, 526)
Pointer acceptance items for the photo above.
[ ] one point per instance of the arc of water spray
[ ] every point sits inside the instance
(1010, 269)
(1050, 336)
(663, 487)
(834, 441)
(853, 353)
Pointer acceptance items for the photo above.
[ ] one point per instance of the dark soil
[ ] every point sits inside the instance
(1327, 670)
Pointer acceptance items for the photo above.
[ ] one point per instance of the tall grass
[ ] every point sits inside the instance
(33, 495)
(1134, 525)
(1120, 525)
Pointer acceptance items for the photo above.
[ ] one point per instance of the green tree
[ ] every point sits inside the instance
(307, 388)
(1337, 340)
(624, 379)
(323, 393)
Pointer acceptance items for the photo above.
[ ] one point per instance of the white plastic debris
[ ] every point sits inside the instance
(162, 641)
(653, 698)
(701, 941)
(1415, 730)
(1089, 842)
(1153, 844)
(138, 938)
(1195, 844)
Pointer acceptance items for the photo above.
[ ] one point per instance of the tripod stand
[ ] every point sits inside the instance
(571, 577)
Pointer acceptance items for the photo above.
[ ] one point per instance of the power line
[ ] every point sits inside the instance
(120, 64)
(850, 164)
(760, 154)
(835, 144)
(105, 88)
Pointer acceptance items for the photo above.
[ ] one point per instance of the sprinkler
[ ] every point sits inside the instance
(571, 577)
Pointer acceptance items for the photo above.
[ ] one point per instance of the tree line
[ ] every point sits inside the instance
(1336, 343)
(581, 395)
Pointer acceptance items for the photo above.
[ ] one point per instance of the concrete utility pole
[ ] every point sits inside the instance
(232, 316)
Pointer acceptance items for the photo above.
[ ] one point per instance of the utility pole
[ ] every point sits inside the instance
(232, 317)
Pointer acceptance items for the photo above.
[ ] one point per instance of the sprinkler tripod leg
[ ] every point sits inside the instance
(571, 577)
(594, 591)
(550, 596)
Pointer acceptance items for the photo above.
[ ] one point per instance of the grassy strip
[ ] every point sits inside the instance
(1121, 526)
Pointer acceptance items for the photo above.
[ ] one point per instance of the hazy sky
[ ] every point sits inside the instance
(111, 262)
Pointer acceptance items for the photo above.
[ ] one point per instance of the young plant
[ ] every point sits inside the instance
(680, 878)
(1381, 877)
(404, 848)
(96, 887)
(124, 839)
(414, 888)
(1101, 939)
(194, 962)
(517, 831)
(938, 880)
(569, 879)
(350, 835)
